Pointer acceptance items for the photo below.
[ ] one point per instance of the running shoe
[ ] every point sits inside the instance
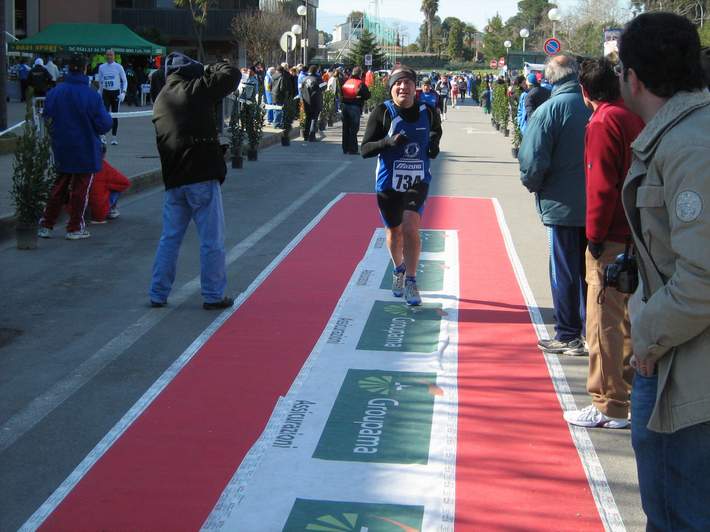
(113, 213)
(78, 235)
(44, 232)
(97, 222)
(560, 346)
(218, 305)
(398, 284)
(114, 141)
(592, 417)
(411, 294)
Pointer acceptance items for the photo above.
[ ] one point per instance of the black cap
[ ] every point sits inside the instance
(77, 62)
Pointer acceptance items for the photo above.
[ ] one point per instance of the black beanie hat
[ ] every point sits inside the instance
(401, 72)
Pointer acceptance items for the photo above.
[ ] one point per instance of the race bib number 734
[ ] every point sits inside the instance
(406, 174)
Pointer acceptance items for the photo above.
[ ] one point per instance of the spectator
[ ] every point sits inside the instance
(607, 157)
(281, 92)
(335, 85)
(312, 96)
(193, 170)
(552, 167)
(666, 197)
(157, 82)
(248, 86)
(23, 72)
(355, 94)
(537, 95)
(300, 76)
(53, 70)
(268, 82)
(486, 98)
(76, 117)
(369, 78)
(106, 188)
(39, 79)
(521, 115)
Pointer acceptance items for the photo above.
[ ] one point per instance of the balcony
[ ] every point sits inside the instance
(176, 23)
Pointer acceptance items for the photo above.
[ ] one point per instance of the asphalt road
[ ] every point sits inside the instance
(79, 344)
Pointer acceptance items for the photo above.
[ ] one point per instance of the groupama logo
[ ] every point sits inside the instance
(385, 385)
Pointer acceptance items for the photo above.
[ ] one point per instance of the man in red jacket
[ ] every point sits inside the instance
(607, 157)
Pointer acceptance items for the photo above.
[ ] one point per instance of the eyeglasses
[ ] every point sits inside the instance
(619, 69)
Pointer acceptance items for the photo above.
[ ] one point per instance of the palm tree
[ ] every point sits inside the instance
(429, 8)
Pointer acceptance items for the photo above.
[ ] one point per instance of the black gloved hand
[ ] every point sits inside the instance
(595, 249)
(433, 151)
(396, 140)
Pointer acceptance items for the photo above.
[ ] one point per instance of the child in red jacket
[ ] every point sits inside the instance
(105, 190)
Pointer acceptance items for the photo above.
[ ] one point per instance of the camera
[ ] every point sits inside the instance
(623, 273)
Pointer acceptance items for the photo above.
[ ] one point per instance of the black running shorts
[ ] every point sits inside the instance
(392, 204)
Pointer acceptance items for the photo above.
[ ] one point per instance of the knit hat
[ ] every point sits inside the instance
(39, 62)
(532, 79)
(178, 63)
(401, 72)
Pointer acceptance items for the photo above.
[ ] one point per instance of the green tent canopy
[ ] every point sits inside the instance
(87, 39)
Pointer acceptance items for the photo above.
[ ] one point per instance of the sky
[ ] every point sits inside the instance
(476, 12)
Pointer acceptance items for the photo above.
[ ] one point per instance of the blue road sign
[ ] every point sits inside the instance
(552, 46)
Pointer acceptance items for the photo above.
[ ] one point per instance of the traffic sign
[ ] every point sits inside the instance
(552, 46)
(368, 59)
(494, 63)
(501, 62)
(288, 41)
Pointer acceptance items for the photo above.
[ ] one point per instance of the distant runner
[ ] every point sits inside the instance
(113, 85)
(404, 135)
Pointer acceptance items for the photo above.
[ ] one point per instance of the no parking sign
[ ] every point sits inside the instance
(552, 46)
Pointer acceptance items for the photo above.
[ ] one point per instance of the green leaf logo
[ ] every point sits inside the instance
(397, 310)
(331, 523)
(377, 385)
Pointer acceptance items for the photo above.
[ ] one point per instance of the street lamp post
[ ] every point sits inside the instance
(555, 16)
(296, 30)
(524, 34)
(303, 13)
(507, 45)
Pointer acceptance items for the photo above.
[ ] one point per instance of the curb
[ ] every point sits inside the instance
(144, 181)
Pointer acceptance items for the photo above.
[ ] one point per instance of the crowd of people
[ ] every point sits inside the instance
(616, 154)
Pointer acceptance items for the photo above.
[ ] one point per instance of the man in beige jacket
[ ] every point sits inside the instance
(667, 200)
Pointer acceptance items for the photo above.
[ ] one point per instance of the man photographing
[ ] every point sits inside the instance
(404, 135)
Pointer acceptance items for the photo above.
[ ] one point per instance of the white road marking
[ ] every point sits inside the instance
(54, 500)
(27, 418)
(604, 499)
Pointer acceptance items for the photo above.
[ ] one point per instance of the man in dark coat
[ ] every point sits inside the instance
(312, 97)
(193, 170)
(281, 92)
(39, 79)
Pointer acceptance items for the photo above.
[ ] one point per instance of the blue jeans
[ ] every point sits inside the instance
(278, 118)
(673, 469)
(270, 112)
(201, 202)
(567, 272)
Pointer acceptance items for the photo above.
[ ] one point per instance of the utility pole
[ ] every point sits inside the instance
(3, 70)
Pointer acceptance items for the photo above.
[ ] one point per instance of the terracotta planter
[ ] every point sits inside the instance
(252, 155)
(26, 235)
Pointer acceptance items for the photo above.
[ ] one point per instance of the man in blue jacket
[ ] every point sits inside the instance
(552, 167)
(76, 117)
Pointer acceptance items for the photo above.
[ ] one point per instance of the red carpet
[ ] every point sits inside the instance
(517, 468)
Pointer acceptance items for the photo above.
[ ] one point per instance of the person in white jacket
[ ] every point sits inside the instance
(112, 85)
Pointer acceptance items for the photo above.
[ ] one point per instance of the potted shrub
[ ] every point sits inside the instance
(236, 137)
(253, 121)
(328, 113)
(32, 178)
(290, 111)
(517, 139)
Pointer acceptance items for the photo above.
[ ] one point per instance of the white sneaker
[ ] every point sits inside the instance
(78, 235)
(592, 417)
(113, 213)
(398, 284)
(411, 294)
(44, 232)
(114, 142)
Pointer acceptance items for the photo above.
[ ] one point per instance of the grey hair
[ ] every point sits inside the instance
(560, 67)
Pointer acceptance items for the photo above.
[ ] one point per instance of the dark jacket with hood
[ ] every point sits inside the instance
(312, 94)
(185, 121)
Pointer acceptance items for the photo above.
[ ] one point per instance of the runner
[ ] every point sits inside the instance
(405, 136)
(113, 85)
(443, 88)
(428, 96)
(454, 93)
